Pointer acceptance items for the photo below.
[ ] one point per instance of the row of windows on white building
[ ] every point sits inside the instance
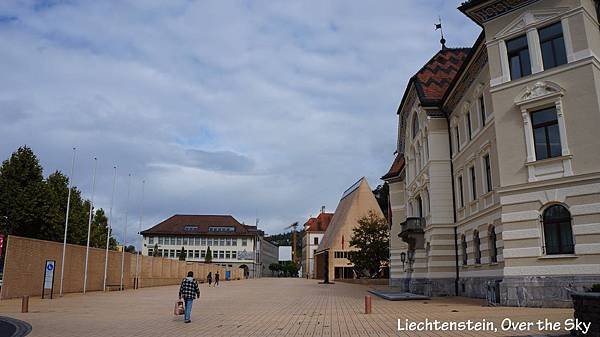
(196, 241)
(194, 254)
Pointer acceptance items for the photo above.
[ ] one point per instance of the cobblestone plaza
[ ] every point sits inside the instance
(259, 307)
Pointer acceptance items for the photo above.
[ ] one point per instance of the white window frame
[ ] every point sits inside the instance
(488, 188)
(471, 169)
(544, 94)
(528, 23)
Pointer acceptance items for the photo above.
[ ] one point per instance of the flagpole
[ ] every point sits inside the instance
(87, 247)
(125, 231)
(62, 264)
(109, 227)
(137, 256)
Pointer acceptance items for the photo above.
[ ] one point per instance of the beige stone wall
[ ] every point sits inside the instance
(523, 230)
(26, 258)
(397, 246)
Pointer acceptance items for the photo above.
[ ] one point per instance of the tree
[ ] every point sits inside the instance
(208, 257)
(33, 207)
(130, 249)
(99, 231)
(290, 269)
(382, 194)
(182, 254)
(155, 250)
(371, 239)
(273, 267)
(22, 192)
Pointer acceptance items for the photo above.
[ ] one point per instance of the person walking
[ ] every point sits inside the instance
(217, 279)
(209, 278)
(188, 291)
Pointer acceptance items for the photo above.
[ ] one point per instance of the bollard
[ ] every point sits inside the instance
(25, 304)
(367, 304)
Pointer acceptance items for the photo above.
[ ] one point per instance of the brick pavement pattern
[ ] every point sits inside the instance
(257, 307)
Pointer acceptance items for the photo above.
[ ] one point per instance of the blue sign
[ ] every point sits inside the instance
(49, 274)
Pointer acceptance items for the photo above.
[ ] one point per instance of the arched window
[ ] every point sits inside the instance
(477, 247)
(419, 207)
(415, 125)
(492, 245)
(558, 233)
(463, 244)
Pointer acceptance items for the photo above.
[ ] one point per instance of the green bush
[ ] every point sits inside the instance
(596, 288)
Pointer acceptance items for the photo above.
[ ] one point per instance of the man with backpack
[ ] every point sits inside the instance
(188, 291)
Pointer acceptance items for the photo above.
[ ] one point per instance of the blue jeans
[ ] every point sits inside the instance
(188, 308)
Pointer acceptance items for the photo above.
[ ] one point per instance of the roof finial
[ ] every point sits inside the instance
(439, 26)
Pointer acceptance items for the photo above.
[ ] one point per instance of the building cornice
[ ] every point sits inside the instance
(482, 11)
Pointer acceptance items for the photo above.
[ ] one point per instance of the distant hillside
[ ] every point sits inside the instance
(285, 239)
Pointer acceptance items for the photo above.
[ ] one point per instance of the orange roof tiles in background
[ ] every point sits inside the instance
(320, 223)
(396, 167)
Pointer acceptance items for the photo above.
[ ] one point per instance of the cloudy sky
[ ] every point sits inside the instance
(264, 109)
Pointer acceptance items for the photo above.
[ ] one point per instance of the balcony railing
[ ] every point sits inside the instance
(412, 225)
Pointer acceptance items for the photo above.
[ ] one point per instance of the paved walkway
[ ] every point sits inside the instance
(261, 307)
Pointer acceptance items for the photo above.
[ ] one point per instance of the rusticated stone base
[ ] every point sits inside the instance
(543, 291)
(587, 309)
(477, 287)
(525, 291)
(424, 286)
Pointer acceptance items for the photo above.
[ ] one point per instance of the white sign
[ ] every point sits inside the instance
(49, 274)
(245, 255)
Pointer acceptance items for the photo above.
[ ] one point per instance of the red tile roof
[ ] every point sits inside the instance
(396, 167)
(199, 224)
(434, 78)
(320, 223)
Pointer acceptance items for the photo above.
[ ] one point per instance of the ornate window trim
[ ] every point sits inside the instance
(541, 95)
(528, 23)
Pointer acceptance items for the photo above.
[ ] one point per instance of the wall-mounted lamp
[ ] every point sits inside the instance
(403, 259)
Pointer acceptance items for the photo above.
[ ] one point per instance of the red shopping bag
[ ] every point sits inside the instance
(178, 308)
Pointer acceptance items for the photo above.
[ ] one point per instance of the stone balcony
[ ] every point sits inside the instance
(412, 228)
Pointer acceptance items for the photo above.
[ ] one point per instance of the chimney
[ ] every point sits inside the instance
(322, 209)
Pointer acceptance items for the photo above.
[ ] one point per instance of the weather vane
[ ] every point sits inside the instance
(439, 26)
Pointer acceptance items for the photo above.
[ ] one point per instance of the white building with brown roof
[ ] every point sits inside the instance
(232, 244)
(314, 230)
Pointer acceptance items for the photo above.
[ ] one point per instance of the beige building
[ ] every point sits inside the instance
(495, 190)
(332, 253)
(314, 230)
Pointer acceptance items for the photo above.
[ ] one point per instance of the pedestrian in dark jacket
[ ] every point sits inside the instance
(188, 291)
(217, 279)
(209, 278)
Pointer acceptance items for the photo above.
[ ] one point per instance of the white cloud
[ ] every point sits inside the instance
(248, 108)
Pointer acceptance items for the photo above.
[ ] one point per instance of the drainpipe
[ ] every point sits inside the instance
(453, 211)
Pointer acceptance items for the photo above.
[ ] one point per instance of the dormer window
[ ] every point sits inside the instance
(553, 46)
(518, 57)
(415, 125)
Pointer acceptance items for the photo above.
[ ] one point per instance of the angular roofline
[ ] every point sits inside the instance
(466, 64)
(425, 102)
